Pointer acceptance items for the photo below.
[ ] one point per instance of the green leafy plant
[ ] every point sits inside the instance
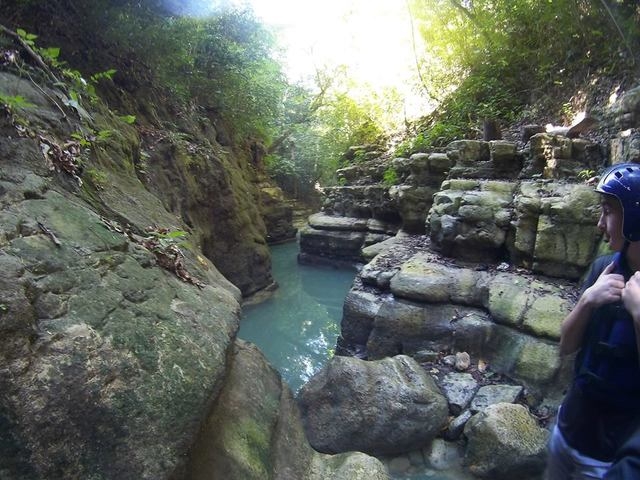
(390, 177)
(103, 135)
(96, 177)
(106, 75)
(586, 174)
(130, 119)
(77, 86)
(28, 38)
(161, 239)
(490, 58)
(14, 101)
(165, 245)
(81, 139)
(87, 140)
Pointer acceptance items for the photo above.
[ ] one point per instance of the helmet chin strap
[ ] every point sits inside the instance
(623, 255)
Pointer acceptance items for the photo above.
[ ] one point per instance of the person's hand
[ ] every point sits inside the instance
(631, 296)
(607, 288)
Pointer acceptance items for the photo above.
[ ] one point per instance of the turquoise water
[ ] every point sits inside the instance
(298, 327)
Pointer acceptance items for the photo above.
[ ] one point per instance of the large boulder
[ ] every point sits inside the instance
(107, 362)
(334, 244)
(378, 407)
(339, 238)
(505, 442)
(116, 339)
(255, 432)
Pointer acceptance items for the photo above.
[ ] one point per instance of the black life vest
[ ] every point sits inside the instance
(607, 368)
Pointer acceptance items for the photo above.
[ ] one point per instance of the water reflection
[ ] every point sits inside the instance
(298, 327)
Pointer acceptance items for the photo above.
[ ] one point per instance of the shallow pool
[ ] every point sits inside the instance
(298, 327)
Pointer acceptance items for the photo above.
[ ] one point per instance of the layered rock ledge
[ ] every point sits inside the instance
(493, 238)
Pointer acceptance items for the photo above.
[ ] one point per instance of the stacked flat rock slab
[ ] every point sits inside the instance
(340, 238)
(386, 208)
(508, 319)
(277, 214)
(478, 201)
(546, 226)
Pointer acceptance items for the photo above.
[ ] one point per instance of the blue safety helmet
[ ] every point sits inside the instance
(623, 182)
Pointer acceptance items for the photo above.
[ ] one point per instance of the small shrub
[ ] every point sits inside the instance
(390, 177)
(97, 178)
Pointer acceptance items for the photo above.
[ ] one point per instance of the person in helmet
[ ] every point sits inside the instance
(602, 406)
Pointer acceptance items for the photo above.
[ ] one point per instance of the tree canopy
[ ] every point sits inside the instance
(494, 58)
(474, 59)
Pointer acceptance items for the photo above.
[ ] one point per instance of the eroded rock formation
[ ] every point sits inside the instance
(122, 267)
(492, 240)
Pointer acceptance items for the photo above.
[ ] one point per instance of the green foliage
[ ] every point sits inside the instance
(489, 58)
(320, 124)
(81, 139)
(586, 174)
(50, 53)
(226, 64)
(223, 62)
(14, 101)
(167, 237)
(103, 135)
(390, 177)
(438, 133)
(94, 137)
(76, 85)
(96, 177)
(28, 38)
(107, 74)
(130, 119)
